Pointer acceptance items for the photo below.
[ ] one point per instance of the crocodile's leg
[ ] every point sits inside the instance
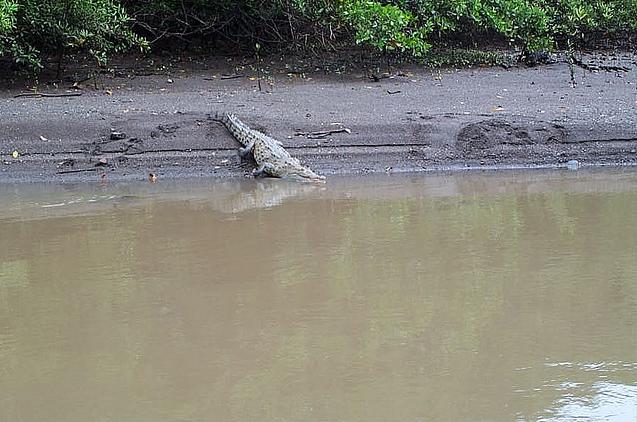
(264, 170)
(244, 152)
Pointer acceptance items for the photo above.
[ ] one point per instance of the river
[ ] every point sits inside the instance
(451, 297)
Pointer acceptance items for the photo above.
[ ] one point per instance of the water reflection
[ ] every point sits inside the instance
(468, 297)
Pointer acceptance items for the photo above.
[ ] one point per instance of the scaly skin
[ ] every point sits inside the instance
(272, 159)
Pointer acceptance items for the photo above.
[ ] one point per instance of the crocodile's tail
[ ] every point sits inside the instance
(236, 127)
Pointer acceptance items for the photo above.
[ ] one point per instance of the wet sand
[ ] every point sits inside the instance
(415, 119)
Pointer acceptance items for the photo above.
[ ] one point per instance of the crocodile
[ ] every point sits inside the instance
(271, 158)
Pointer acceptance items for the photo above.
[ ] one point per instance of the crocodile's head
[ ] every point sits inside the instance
(307, 175)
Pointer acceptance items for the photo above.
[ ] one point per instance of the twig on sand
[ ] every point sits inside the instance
(46, 95)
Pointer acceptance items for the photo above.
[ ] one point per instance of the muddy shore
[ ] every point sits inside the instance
(411, 119)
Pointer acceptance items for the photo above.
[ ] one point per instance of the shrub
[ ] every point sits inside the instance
(242, 21)
(9, 44)
(574, 19)
(519, 21)
(8, 8)
(530, 25)
(386, 27)
(291, 22)
(30, 29)
(185, 19)
(99, 27)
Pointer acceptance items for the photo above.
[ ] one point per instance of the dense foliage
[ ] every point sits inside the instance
(30, 29)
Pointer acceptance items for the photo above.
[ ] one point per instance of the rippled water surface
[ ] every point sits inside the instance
(474, 297)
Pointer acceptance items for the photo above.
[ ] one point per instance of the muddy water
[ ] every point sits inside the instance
(403, 298)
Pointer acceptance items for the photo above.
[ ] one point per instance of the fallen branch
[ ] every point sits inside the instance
(322, 134)
(77, 171)
(46, 95)
(592, 67)
(226, 77)
(377, 78)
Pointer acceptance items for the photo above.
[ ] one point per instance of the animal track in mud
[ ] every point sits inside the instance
(492, 133)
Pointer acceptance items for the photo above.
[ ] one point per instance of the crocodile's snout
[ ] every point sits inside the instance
(307, 174)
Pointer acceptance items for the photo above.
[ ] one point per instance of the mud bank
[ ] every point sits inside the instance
(413, 119)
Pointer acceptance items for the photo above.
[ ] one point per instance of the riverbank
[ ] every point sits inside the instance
(410, 119)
